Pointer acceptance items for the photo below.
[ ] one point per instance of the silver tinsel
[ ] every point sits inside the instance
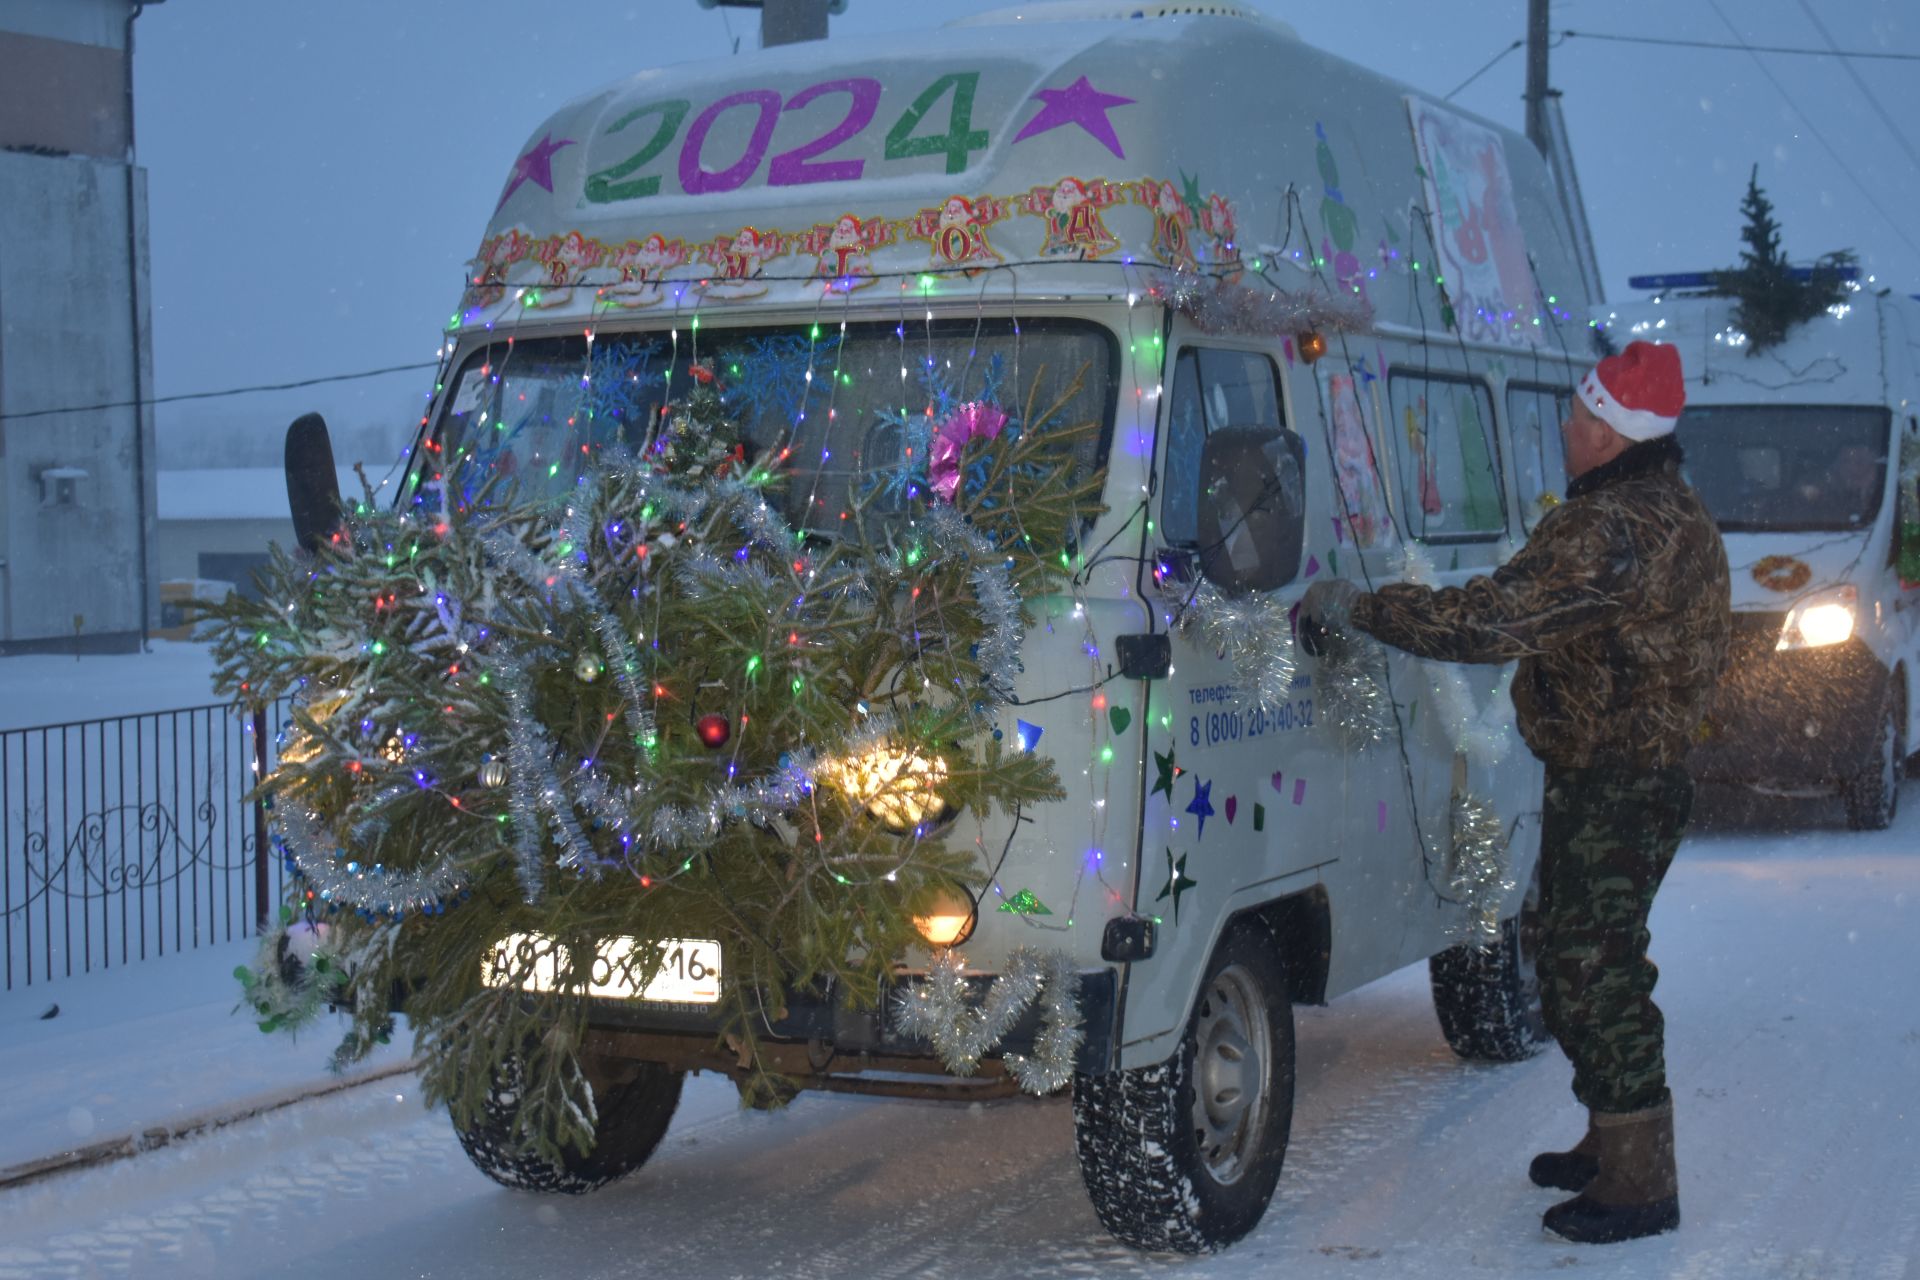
(1216, 305)
(337, 878)
(939, 1011)
(1350, 692)
(1480, 877)
(1251, 632)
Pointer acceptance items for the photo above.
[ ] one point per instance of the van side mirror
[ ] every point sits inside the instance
(313, 486)
(1253, 504)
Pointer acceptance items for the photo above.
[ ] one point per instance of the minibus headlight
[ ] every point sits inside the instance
(1824, 618)
(900, 788)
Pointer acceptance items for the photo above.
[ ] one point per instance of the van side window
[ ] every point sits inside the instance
(1235, 492)
(1539, 455)
(1447, 459)
(1212, 390)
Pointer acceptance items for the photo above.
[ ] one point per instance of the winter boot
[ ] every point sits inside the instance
(1637, 1191)
(1568, 1170)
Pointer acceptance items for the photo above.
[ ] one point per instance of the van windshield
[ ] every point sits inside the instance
(1787, 468)
(855, 405)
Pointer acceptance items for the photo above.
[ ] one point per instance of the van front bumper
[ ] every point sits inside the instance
(1791, 720)
(815, 1034)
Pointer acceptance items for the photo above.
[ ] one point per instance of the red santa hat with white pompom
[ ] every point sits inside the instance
(1639, 392)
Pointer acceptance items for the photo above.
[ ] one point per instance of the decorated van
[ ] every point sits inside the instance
(1808, 455)
(839, 628)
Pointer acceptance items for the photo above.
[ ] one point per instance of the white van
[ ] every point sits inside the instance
(1325, 320)
(1808, 454)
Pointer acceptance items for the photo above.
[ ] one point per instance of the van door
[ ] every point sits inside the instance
(1245, 800)
(1448, 473)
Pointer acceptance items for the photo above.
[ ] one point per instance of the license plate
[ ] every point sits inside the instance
(689, 971)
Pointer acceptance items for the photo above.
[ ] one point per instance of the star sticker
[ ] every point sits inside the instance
(1168, 772)
(1202, 806)
(1178, 883)
(536, 167)
(1079, 103)
(1190, 192)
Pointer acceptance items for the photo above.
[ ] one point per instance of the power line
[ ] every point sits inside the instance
(1872, 98)
(217, 395)
(1813, 129)
(1744, 48)
(1490, 64)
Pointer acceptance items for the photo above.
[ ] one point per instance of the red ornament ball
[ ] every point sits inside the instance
(713, 730)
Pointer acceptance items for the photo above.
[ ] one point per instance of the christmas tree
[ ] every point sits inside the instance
(651, 708)
(1769, 298)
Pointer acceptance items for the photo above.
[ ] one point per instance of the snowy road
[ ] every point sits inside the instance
(1790, 969)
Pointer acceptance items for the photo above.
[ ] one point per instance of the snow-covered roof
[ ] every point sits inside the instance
(232, 493)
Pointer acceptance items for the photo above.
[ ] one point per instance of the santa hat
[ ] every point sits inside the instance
(1639, 392)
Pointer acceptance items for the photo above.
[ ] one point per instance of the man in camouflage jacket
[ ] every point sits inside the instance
(1617, 611)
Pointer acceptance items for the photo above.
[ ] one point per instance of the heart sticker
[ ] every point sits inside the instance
(1233, 803)
(1119, 718)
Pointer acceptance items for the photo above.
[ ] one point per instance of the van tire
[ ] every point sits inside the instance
(1164, 1171)
(1872, 796)
(1488, 996)
(632, 1118)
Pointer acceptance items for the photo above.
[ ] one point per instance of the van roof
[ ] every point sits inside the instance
(1865, 350)
(1084, 141)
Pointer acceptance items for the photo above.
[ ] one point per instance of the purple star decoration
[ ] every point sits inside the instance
(1079, 103)
(536, 167)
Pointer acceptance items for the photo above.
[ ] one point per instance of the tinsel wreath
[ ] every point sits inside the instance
(1216, 304)
(651, 709)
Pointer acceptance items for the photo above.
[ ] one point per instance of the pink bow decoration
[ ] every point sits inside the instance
(974, 420)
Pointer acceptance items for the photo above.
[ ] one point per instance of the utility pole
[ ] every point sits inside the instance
(1547, 131)
(786, 21)
(1537, 90)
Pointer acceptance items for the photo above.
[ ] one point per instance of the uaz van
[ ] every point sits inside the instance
(1329, 327)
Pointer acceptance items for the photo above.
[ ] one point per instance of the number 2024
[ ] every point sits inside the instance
(798, 165)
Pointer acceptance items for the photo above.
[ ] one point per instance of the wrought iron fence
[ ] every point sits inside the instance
(133, 836)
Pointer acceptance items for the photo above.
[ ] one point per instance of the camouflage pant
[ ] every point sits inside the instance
(1606, 841)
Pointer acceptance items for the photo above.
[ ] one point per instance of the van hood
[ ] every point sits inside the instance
(1771, 571)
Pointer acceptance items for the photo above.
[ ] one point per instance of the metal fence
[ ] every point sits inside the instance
(132, 837)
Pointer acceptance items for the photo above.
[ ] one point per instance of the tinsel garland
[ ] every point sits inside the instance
(338, 878)
(1251, 631)
(1216, 305)
(1350, 692)
(1480, 877)
(938, 1010)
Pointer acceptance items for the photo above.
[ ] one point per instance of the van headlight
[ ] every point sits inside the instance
(900, 788)
(1821, 619)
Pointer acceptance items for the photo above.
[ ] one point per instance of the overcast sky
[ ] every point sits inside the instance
(319, 173)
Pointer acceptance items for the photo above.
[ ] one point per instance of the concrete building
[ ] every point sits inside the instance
(77, 497)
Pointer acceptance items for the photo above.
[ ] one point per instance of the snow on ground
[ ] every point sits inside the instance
(1789, 966)
(37, 689)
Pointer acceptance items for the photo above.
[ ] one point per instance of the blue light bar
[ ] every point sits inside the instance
(1707, 279)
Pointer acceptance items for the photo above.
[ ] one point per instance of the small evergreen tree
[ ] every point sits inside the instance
(1769, 300)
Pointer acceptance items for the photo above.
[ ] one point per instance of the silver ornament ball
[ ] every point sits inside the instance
(587, 668)
(493, 773)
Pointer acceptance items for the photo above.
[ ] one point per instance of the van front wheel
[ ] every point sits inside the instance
(1872, 796)
(633, 1106)
(1183, 1155)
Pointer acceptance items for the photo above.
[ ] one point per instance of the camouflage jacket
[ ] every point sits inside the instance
(1617, 609)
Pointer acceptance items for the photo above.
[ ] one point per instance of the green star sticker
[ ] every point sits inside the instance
(1168, 772)
(1177, 882)
(1191, 192)
(1024, 903)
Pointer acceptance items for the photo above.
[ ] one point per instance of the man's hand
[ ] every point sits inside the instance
(1326, 611)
